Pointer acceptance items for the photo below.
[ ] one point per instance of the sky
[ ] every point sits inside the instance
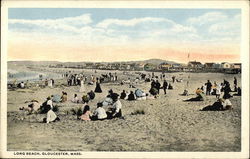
(124, 34)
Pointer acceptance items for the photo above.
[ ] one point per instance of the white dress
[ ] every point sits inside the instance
(50, 83)
(82, 89)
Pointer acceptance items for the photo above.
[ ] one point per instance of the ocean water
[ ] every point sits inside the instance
(29, 75)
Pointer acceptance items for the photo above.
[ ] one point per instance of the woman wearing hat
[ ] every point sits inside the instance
(116, 109)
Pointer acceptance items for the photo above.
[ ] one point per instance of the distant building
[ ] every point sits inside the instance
(164, 66)
(124, 66)
(176, 67)
(225, 65)
(217, 65)
(195, 64)
(209, 65)
(236, 65)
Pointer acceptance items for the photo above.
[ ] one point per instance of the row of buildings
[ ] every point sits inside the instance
(198, 66)
(166, 67)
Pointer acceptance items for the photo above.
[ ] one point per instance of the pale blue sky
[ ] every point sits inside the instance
(98, 14)
(196, 29)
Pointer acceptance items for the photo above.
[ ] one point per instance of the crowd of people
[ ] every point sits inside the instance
(112, 102)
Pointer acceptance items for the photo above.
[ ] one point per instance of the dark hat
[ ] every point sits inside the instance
(99, 104)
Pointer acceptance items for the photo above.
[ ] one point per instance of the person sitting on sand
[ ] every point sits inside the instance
(179, 80)
(91, 95)
(220, 105)
(46, 105)
(33, 106)
(51, 116)
(85, 99)
(131, 96)
(99, 113)
(227, 105)
(86, 113)
(200, 96)
(123, 95)
(64, 97)
(75, 99)
(238, 92)
(50, 102)
(138, 93)
(142, 97)
(115, 111)
(185, 93)
(21, 85)
(170, 86)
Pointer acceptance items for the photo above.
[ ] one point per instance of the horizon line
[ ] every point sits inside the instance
(115, 61)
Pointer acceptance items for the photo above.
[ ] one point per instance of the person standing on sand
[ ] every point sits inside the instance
(173, 78)
(98, 86)
(157, 86)
(165, 86)
(218, 91)
(208, 87)
(235, 84)
(82, 89)
(50, 83)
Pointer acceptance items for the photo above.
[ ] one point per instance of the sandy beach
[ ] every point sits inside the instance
(169, 124)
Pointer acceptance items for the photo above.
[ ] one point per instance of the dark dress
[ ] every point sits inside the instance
(91, 95)
(131, 96)
(123, 95)
(165, 86)
(98, 88)
(215, 107)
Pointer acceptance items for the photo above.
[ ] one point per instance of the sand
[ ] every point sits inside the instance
(169, 124)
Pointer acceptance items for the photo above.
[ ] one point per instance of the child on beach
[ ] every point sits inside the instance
(86, 113)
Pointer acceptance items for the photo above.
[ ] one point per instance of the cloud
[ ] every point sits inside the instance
(217, 27)
(131, 22)
(207, 18)
(209, 27)
(228, 27)
(63, 24)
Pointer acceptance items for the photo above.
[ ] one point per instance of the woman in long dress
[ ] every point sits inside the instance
(50, 84)
(82, 89)
(98, 86)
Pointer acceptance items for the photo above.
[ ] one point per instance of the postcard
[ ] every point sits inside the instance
(125, 79)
